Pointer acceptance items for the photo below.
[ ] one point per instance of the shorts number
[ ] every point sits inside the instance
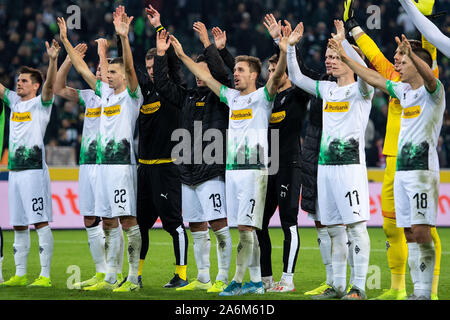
(38, 204)
(253, 202)
(349, 195)
(421, 200)
(215, 197)
(119, 196)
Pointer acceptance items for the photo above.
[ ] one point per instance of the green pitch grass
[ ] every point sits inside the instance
(71, 253)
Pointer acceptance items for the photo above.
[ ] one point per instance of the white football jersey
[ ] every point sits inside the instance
(117, 124)
(345, 115)
(91, 125)
(247, 144)
(28, 122)
(420, 125)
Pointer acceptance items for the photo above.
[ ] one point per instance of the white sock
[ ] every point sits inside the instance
(360, 245)
(202, 248)
(244, 252)
(121, 252)
(427, 259)
(339, 251)
(254, 266)
(21, 249)
(134, 250)
(350, 258)
(96, 240)
(112, 247)
(224, 248)
(45, 249)
(413, 263)
(1, 268)
(287, 277)
(325, 251)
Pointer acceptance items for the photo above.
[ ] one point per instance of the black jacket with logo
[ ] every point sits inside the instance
(158, 116)
(199, 106)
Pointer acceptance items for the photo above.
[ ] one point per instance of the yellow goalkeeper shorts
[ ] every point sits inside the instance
(387, 191)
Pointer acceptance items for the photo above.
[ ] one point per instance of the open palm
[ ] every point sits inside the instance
(296, 35)
(53, 51)
(121, 21)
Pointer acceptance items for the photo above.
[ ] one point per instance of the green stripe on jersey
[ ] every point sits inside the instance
(390, 88)
(223, 97)
(98, 87)
(268, 97)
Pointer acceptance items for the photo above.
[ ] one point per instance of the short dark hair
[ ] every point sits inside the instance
(424, 55)
(35, 74)
(151, 54)
(118, 60)
(274, 59)
(253, 62)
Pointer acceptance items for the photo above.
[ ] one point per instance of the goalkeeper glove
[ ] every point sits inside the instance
(350, 21)
(424, 6)
(348, 10)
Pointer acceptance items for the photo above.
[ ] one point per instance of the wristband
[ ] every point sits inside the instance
(350, 24)
(159, 28)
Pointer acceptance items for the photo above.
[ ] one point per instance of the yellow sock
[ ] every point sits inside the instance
(437, 266)
(397, 252)
(181, 271)
(141, 266)
(398, 281)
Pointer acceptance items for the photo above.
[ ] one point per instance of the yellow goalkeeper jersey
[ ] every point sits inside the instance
(387, 70)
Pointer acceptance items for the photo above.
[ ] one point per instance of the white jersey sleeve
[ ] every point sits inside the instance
(395, 89)
(296, 75)
(227, 95)
(10, 98)
(427, 28)
(439, 94)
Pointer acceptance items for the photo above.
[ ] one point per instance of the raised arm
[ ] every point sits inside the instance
(164, 85)
(220, 40)
(422, 67)
(102, 48)
(122, 25)
(295, 74)
(427, 28)
(364, 88)
(78, 62)
(199, 72)
(274, 82)
(61, 76)
(214, 61)
(174, 64)
(370, 76)
(49, 84)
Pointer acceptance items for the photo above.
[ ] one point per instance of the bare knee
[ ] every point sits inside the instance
(422, 233)
(218, 224)
(198, 226)
(127, 222)
(409, 235)
(110, 223)
(245, 228)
